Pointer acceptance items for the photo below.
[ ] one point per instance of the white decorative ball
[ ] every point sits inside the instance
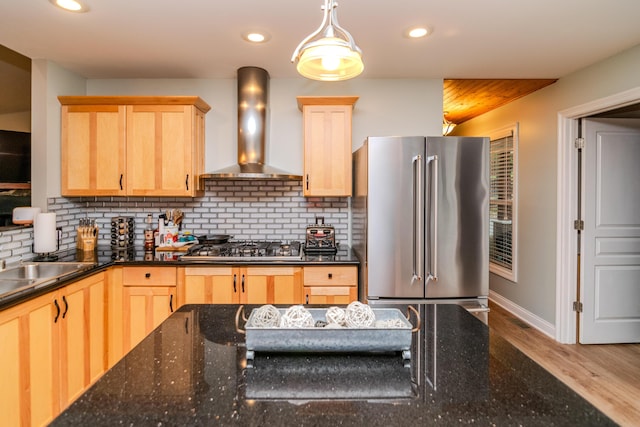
(336, 315)
(266, 316)
(359, 315)
(296, 316)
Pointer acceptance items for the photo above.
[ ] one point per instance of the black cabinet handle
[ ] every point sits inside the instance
(186, 325)
(307, 181)
(66, 306)
(307, 299)
(55, 302)
(243, 283)
(121, 176)
(330, 275)
(171, 303)
(187, 182)
(234, 284)
(147, 275)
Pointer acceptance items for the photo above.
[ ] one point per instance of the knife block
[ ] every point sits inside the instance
(87, 238)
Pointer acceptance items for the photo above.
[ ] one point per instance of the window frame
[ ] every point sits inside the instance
(510, 274)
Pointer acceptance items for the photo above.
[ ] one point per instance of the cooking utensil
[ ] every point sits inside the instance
(214, 239)
(178, 216)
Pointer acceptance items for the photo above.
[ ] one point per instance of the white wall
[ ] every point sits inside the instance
(537, 115)
(48, 80)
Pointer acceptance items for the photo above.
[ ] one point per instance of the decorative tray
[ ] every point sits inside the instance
(330, 340)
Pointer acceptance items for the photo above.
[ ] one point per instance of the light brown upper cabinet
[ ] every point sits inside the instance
(132, 146)
(327, 144)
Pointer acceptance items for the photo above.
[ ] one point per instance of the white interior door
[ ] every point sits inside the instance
(611, 239)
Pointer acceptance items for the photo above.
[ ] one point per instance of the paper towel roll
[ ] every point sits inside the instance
(45, 236)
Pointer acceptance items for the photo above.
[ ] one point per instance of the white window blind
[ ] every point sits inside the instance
(502, 202)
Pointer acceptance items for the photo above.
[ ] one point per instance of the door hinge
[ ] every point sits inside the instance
(578, 224)
(579, 143)
(577, 306)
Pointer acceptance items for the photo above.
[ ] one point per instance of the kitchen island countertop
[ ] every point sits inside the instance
(192, 370)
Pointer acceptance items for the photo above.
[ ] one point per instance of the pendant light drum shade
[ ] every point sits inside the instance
(330, 60)
(330, 53)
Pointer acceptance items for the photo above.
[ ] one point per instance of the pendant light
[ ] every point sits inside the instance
(329, 53)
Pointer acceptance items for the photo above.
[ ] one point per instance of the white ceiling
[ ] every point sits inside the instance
(490, 39)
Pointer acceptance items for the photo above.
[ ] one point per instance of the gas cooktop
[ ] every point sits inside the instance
(245, 250)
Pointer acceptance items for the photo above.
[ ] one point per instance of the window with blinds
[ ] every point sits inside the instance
(503, 202)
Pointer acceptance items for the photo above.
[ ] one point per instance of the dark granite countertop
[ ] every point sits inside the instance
(192, 371)
(105, 257)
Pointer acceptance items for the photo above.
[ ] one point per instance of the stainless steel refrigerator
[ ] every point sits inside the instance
(420, 219)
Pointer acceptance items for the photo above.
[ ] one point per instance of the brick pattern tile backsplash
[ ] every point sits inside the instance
(247, 210)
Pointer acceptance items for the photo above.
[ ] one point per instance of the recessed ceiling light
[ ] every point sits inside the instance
(417, 32)
(71, 5)
(256, 36)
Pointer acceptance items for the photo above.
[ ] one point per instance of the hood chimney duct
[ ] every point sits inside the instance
(253, 109)
(253, 99)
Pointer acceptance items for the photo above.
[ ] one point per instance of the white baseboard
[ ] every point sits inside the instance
(522, 314)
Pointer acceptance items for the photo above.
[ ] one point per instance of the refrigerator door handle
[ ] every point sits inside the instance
(433, 266)
(418, 212)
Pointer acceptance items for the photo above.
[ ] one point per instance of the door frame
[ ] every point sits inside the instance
(567, 201)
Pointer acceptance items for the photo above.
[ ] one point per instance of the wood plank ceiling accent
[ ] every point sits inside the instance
(465, 99)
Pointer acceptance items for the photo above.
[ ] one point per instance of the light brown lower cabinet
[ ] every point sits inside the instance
(240, 285)
(330, 285)
(148, 298)
(53, 348)
(83, 336)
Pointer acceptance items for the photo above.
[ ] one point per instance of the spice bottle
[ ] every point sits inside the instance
(149, 242)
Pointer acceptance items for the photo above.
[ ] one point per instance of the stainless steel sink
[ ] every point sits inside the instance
(33, 274)
(8, 287)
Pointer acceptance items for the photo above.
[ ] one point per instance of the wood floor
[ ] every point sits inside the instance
(608, 376)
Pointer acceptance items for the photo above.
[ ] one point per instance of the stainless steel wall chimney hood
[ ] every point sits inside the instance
(253, 106)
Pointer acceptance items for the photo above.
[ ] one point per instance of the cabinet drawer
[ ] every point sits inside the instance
(331, 276)
(329, 290)
(208, 271)
(149, 276)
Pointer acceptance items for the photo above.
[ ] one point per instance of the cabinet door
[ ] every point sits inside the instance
(327, 150)
(161, 151)
(83, 356)
(115, 314)
(198, 155)
(93, 150)
(29, 362)
(209, 285)
(144, 309)
(271, 285)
